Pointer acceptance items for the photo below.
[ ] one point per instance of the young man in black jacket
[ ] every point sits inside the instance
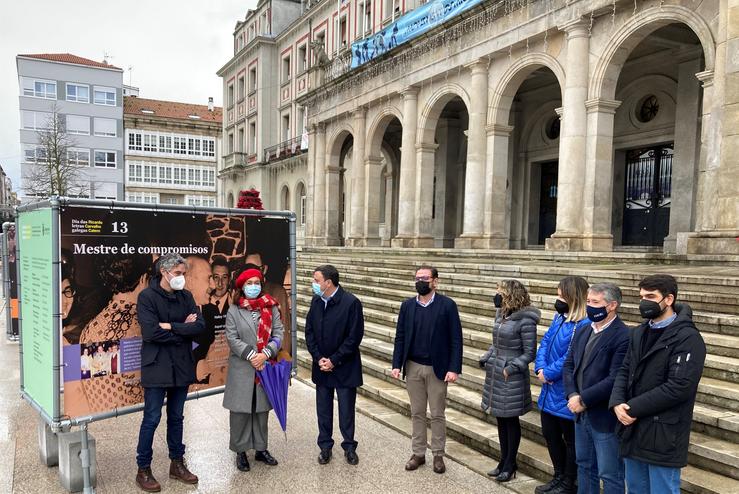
(428, 351)
(169, 321)
(334, 328)
(654, 392)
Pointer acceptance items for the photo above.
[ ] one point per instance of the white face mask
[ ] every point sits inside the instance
(177, 282)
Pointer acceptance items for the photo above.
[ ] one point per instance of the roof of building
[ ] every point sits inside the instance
(133, 105)
(69, 58)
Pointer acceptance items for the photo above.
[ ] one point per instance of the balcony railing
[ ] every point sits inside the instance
(283, 150)
(340, 65)
(235, 159)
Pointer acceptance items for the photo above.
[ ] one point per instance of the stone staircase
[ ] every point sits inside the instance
(382, 279)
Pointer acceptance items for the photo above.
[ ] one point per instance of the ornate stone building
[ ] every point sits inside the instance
(575, 125)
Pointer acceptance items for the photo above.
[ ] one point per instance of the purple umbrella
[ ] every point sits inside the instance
(274, 379)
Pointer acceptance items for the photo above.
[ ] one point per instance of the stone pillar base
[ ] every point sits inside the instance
(721, 242)
(354, 242)
(322, 242)
(481, 242)
(372, 242)
(597, 242)
(70, 464)
(412, 242)
(564, 242)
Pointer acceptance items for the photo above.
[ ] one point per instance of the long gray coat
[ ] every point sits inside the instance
(241, 331)
(513, 348)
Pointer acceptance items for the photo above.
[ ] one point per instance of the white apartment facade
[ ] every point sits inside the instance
(88, 97)
(171, 152)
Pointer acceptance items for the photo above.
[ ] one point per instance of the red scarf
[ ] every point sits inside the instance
(264, 305)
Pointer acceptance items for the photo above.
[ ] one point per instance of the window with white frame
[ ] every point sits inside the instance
(300, 121)
(180, 145)
(104, 96)
(150, 143)
(39, 88)
(252, 79)
(205, 201)
(343, 32)
(78, 92)
(105, 127)
(193, 146)
(134, 141)
(105, 159)
(165, 173)
(78, 157)
(286, 127)
(105, 190)
(230, 95)
(253, 137)
(35, 120)
(135, 171)
(242, 87)
(78, 125)
(165, 144)
(364, 18)
(179, 175)
(34, 154)
(301, 203)
(143, 197)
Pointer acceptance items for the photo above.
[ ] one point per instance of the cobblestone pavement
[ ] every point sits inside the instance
(382, 452)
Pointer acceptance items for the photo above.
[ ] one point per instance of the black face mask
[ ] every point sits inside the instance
(498, 300)
(561, 307)
(649, 309)
(423, 287)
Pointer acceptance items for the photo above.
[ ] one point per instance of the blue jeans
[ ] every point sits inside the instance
(597, 459)
(153, 401)
(647, 478)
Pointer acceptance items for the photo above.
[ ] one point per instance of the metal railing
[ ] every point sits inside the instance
(283, 150)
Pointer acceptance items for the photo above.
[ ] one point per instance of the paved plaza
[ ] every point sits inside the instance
(382, 451)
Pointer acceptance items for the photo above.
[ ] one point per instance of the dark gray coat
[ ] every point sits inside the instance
(513, 348)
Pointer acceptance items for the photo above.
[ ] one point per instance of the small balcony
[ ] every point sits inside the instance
(285, 149)
(235, 159)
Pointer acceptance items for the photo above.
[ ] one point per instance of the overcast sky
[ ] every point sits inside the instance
(174, 46)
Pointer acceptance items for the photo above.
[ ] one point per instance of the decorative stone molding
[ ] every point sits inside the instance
(409, 92)
(706, 78)
(333, 169)
(499, 130)
(576, 28)
(600, 105)
(479, 66)
(424, 147)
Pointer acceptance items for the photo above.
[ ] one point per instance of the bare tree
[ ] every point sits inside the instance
(52, 172)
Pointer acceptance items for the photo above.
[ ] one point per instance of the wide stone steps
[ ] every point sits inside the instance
(722, 317)
(378, 311)
(481, 436)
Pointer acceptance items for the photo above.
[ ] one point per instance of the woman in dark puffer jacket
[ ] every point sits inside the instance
(507, 391)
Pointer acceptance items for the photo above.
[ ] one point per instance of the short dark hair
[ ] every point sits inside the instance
(220, 261)
(663, 283)
(329, 273)
(434, 271)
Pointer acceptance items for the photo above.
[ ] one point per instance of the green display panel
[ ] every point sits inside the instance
(37, 310)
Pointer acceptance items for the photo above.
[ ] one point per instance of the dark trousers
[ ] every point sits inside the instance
(347, 398)
(153, 402)
(559, 434)
(509, 434)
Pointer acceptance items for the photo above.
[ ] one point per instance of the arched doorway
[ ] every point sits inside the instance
(230, 201)
(285, 198)
(450, 166)
(339, 162)
(300, 204)
(656, 138)
(385, 136)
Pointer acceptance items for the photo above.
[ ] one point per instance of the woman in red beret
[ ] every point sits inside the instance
(254, 333)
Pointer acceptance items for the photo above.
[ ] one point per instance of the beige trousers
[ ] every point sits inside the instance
(424, 388)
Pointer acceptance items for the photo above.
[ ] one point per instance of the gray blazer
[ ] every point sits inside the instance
(241, 331)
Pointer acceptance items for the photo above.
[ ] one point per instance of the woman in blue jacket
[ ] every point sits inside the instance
(557, 422)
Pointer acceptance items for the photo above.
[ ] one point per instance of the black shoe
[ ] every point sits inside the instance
(566, 485)
(495, 471)
(506, 476)
(242, 462)
(265, 457)
(552, 484)
(324, 457)
(351, 457)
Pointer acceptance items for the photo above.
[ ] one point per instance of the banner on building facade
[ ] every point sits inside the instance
(107, 259)
(407, 27)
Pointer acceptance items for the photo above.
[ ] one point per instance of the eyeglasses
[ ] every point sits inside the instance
(68, 292)
(423, 278)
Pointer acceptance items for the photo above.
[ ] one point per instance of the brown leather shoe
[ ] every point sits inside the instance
(415, 462)
(146, 481)
(439, 466)
(178, 471)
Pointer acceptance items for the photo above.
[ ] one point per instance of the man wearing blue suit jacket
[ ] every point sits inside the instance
(428, 351)
(589, 373)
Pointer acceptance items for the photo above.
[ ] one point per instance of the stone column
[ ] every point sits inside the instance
(425, 156)
(407, 193)
(333, 205)
(496, 190)
(598, 180)
(389, 209)
(372, 186)
(310, 180)
(474, 189)
(358, 173)
(319, 187)
(718, 199)
(568, 235)
(686, 153)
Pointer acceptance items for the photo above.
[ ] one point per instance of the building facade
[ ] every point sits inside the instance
(87, 96)
(172, 151)
(568, 125)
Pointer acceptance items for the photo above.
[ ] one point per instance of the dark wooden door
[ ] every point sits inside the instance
(548, 201)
